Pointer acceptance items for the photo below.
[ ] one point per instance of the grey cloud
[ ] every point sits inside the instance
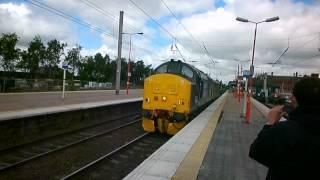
(20, 19)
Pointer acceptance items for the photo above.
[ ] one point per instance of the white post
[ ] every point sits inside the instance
(64, 82)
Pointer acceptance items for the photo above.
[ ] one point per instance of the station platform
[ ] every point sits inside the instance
(31, 100)
(20, 105)
(30, 117)
(214, 145)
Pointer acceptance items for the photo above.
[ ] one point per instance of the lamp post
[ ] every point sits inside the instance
(129, 72)
(248, 109)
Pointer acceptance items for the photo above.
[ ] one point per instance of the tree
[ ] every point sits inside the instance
(87, 68)
(124, 72)
(100, 67)
(73, 59)
(33, 56)
(52, 57)
(139, 72)
(97, 68)
(108, 73)
(112, 68)
(8, 53)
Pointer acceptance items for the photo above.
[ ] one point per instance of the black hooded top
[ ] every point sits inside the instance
(291, 149)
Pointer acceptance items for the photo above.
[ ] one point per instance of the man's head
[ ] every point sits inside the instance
(307, 92)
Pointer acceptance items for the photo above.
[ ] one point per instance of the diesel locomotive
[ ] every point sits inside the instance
(173, 94)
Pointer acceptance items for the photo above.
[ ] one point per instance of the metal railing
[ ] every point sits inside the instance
(37, 85)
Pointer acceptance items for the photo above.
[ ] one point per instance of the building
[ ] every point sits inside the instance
(278, 84)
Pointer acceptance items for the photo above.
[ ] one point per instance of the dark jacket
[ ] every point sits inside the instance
(291, 149)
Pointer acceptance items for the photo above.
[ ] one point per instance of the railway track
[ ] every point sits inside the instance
(54, 157)
(118, 163)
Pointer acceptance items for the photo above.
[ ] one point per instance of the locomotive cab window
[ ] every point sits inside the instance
(203, 76)
(174, 67)
(186, 71)
(162, 69)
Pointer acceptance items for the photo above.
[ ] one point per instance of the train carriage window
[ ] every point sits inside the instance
(186, 71)
(162, 69)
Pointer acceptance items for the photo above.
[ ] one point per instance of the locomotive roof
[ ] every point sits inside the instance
(197, 71)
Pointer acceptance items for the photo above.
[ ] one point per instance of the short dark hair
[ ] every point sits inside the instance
(307, 92)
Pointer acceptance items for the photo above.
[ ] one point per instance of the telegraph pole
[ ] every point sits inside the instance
(118, 72)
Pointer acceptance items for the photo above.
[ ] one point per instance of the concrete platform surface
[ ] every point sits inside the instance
(227, 155)
(23, 101)
(9, 115)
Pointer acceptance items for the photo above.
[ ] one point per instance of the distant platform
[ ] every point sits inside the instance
(24, 101)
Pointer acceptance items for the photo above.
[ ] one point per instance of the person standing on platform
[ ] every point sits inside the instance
(291, 149)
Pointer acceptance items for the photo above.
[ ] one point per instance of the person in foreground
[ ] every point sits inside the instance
(291, 148)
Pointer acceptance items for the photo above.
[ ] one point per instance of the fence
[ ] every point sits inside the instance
(37, 85)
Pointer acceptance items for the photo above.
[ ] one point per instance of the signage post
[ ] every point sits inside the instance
(65, 67)
(247, 75)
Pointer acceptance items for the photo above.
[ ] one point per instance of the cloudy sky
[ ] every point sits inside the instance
(190, 25)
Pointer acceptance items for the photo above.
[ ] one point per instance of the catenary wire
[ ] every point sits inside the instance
(67, 16)
(191, 35)
(74, 19)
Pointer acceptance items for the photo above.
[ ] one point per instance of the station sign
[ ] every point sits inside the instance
(65, 65)
(246, 73)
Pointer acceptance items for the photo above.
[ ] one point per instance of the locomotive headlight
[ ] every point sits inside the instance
(174, 106)
(164, 98)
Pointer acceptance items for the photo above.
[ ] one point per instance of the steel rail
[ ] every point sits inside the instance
(73, 131)
(103, 157)
(66, 146)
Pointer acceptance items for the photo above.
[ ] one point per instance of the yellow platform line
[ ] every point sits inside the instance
(190, 165)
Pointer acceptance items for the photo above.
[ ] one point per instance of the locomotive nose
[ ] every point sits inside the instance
(166, 99)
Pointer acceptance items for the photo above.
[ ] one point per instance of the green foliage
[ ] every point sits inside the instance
(100, 66)
(44, 59)
(52, 57)
(73, 59)
(8, 53)
(32, 58)
(86, 70)
(139, 72)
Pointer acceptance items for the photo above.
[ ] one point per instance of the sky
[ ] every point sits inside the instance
(175, 29)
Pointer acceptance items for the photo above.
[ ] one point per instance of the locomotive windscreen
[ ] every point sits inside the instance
(175, 67)
(172, 67)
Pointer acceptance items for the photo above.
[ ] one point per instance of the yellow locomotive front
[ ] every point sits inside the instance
(166, 103)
